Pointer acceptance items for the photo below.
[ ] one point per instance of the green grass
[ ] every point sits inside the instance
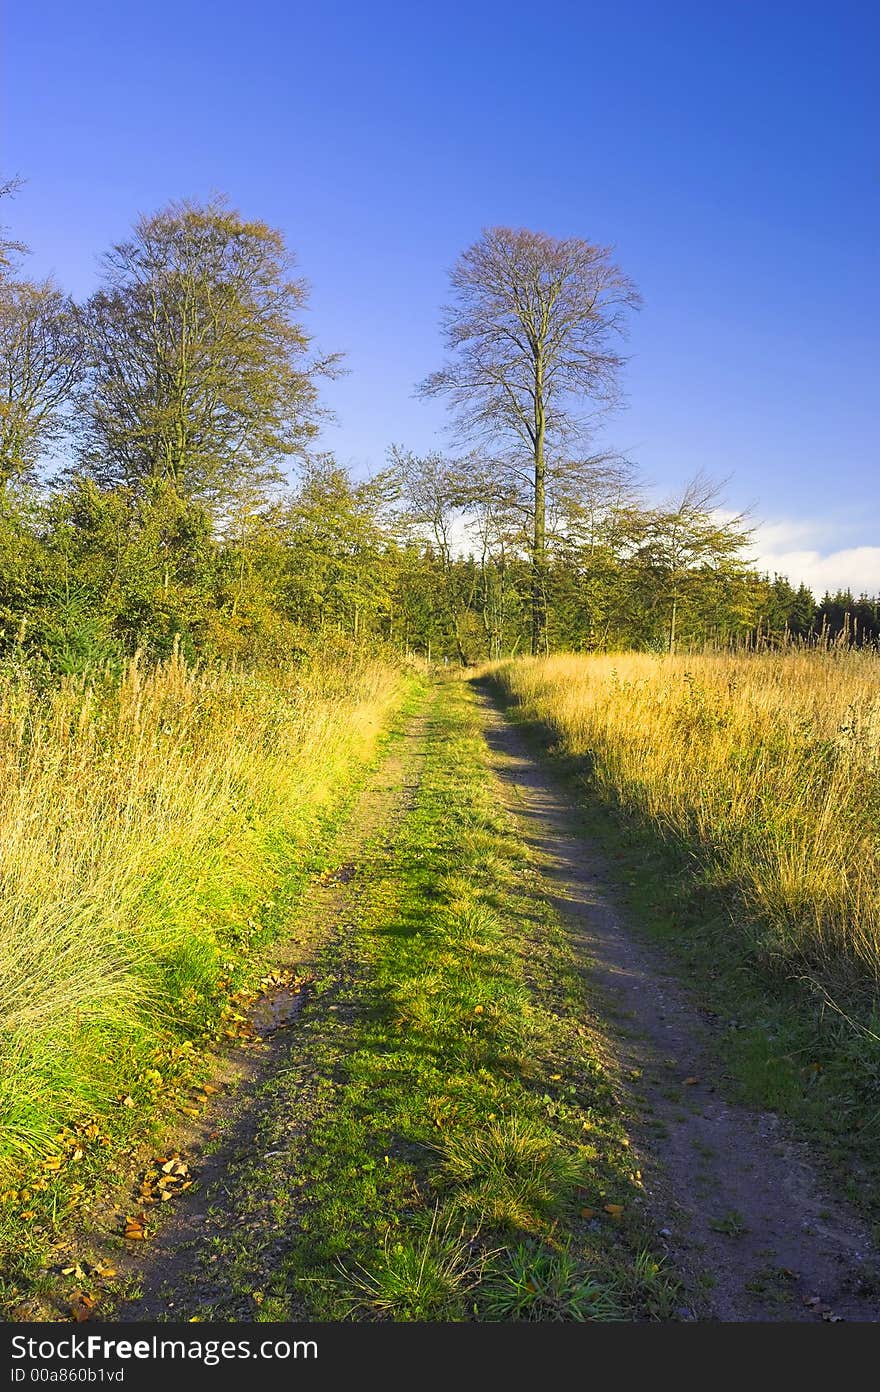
(129, 1076)
(446, 1125)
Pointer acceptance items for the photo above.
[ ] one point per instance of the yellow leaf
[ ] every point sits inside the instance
(82, 1307)
(615, 1209)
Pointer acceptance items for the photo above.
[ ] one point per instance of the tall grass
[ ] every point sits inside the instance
(143, 823)
(766, 766)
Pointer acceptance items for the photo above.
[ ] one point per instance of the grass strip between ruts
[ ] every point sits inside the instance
(452, 1141)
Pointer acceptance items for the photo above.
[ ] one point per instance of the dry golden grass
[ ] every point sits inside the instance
(142, 824)
(768, 765)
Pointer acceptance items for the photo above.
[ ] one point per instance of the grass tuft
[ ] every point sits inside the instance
(511, 1173)
(536, 1283)
(416, 1279)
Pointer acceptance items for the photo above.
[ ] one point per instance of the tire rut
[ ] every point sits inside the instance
(174, 1272)
(739, 1202)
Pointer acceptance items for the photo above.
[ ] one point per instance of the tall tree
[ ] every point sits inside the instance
(41, 361)
(531, 331)
(40, 358)
(200, 372)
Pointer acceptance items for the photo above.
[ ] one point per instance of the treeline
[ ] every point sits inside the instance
(160, 486)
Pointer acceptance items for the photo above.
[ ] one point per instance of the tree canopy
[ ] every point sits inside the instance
(163, 485)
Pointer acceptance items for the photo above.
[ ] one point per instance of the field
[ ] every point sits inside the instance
(147, 823)
(764, 767)
(485, 1098)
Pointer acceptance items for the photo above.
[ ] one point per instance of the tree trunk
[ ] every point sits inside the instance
(539, 534)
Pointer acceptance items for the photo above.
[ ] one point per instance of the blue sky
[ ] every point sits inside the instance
(729, 151)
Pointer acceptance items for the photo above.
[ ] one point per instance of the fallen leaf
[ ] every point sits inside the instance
(82, 1307)
(615, 1209)
(588, 1212)
(690, 1082)
(128, 1101)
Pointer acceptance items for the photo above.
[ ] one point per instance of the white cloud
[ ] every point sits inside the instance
(805, 552)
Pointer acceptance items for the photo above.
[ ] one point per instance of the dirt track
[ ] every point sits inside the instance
(740, 1204)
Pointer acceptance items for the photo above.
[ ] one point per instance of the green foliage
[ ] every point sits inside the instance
(533, 1282)
(416, 1279)
(144, 504)
(512, 1173)
(198, 367)
(462, 1102)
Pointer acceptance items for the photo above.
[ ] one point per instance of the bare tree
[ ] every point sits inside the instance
(9, 248)
(41, 358)
(531, 332)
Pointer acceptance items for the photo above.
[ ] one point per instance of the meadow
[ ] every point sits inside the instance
(448, 1135)
(763, 767)
(147, 820)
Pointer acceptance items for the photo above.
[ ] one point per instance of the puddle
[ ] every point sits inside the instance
(277, 1010)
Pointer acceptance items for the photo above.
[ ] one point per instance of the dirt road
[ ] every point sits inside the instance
(740, 1204)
